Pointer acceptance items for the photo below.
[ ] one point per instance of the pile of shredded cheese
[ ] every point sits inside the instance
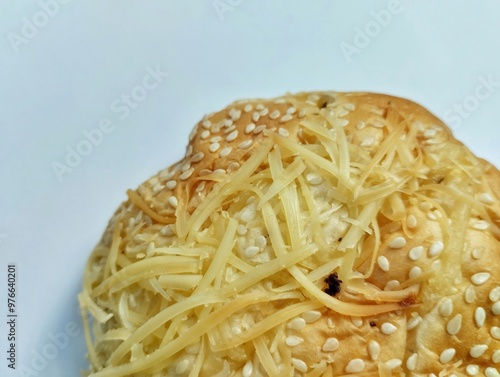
(214, 292)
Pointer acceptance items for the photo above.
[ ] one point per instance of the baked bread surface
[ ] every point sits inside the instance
(316, 234)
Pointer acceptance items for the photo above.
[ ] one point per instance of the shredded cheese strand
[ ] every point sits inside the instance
(141, 204)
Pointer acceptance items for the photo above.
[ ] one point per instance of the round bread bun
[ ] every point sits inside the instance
(316, 234)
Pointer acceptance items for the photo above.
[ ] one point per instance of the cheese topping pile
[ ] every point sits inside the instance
(223, 264)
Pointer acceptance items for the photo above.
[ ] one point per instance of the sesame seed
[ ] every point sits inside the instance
(432, 216)
(495, 294)
(167, 231)
(236, 115)
(478, 350)
(397, 243)
(247, 108)
(230, 129)
(296, 324)
(414, 322)
(357, 321)
(377, 123)
(383, 263)
(249, 128)
(355, 366)
(205, 172)
(495, 308)
(472, 369)
(255, 117)
(186, 174)
(391, 285)
(388, 328)
(479, 316)
(206, 124)
(259, 129)
(236, 330)
(214, 147)
(248, 368)
(275, 114)
(496, 357)
(264, 112)
(302, 113)
(429, 133)
(311, 316)
(470, 294)
(480, 225)
(486, 198)
(447, 355)
(193, 349)
(411, 222)
(197, 157)
(291, 110)
(446, 307)
(343, 122)
(192, 134)
(283, 132)
(219, 171)
(185, 167)
(286, 118)
(331, 344)
(200, 187)
(360, 125)
(477, 252)
(225, 152)
(171, 185)
(436, 248)
(151, 247)
(349, 106)
(393, 363)
(480, 278)
(182, 366)
(227, 123)
(342, 112)
(491, 372)
(232, 136)
(173, 201)
(233, 166)
(241, 230)
(293, 341)
(367, 142)
(454, 325)
(300, 365)
(416, 253)
(205, 134)
(259, 106)
(167, 174)
(216, 139)
(415, 272)
(251, 251)
(411, 362)
(495, 332)
(314, 178)
(373, 349)
(245, 144)
(153, 181)
(261, 242)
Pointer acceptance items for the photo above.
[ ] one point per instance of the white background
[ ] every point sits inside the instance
(64, 76)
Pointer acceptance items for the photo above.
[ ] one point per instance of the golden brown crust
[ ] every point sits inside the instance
(446, 239)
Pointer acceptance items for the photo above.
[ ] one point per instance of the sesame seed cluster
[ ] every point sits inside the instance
(430, 253)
